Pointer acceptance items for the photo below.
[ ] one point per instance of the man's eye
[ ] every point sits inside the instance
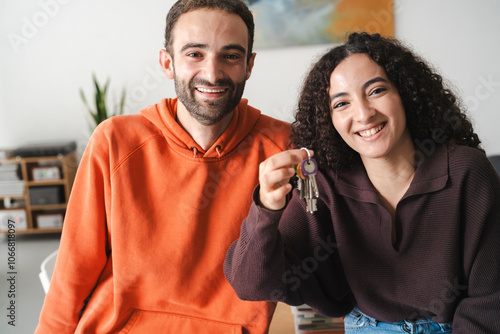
(232, 57)
(194, 54)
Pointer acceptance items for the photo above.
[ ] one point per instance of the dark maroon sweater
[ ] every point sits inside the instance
(445, 263)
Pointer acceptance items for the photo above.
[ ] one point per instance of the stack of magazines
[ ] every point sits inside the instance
(309, 322)
(10, 182)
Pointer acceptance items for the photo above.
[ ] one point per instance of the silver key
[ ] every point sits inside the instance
(308, 187)
(312, 205)
(300, 187)
(312, 180)
(311, 199)
(309, 169)
(305, 189)
(309, 195)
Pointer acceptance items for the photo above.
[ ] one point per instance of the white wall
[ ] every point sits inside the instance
(49, 49)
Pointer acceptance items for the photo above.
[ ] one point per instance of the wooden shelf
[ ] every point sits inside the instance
(45, 183)
(12, 197)
(38, 230)
(59, 173)
(48, 207)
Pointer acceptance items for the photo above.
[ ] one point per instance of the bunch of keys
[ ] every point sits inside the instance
(306, 184)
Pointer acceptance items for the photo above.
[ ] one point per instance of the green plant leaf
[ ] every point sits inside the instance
(122, 103)
(101, 112)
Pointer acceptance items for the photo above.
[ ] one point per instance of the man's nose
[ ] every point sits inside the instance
(213, 69)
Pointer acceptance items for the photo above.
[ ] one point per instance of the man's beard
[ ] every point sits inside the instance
(209, 112)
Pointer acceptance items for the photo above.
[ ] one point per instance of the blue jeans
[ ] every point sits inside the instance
(357, 322)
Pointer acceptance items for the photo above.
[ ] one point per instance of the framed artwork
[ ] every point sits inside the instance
(280, 23)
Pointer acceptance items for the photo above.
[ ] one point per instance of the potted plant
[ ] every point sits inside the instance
(100, 112)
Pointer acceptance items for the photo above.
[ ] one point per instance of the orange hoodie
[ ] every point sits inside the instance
(148, 225)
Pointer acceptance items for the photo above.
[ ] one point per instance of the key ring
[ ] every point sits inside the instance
(308, 153)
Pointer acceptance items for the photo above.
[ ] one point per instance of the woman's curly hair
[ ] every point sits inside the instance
(432, 111)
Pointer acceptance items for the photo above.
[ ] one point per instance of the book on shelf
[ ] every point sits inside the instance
(308, 322)
(9, 172)
(12, 188)
(5, 154)
(10, 180)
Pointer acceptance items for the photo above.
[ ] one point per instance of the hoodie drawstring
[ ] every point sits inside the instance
(195, 152)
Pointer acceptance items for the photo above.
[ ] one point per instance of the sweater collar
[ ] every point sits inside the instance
(163, 115)
(431, 175)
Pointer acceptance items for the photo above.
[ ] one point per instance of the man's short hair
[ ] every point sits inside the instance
(237, 7)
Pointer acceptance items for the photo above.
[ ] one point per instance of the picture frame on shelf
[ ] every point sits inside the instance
(16, 216)
(46, 173)
(49, 220)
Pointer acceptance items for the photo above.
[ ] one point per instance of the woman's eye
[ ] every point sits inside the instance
(339, 105)
(378, 90)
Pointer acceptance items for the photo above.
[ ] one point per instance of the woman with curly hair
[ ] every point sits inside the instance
(405, 235)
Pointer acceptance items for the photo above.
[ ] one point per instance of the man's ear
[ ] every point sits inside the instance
(167, 63)
(250, 65)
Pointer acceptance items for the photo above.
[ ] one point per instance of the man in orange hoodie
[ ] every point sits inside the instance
(159, 196)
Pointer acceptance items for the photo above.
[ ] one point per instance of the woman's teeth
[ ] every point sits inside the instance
(371, 132)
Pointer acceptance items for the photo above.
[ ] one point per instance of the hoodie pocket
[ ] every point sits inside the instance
(152, 322)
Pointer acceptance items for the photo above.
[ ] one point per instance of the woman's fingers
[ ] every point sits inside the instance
(274, 177)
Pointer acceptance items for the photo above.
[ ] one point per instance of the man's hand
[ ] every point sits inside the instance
(274, 177)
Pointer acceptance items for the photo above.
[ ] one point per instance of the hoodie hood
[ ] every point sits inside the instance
(163, 116)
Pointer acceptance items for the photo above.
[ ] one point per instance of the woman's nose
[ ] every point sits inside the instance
(364, 112)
